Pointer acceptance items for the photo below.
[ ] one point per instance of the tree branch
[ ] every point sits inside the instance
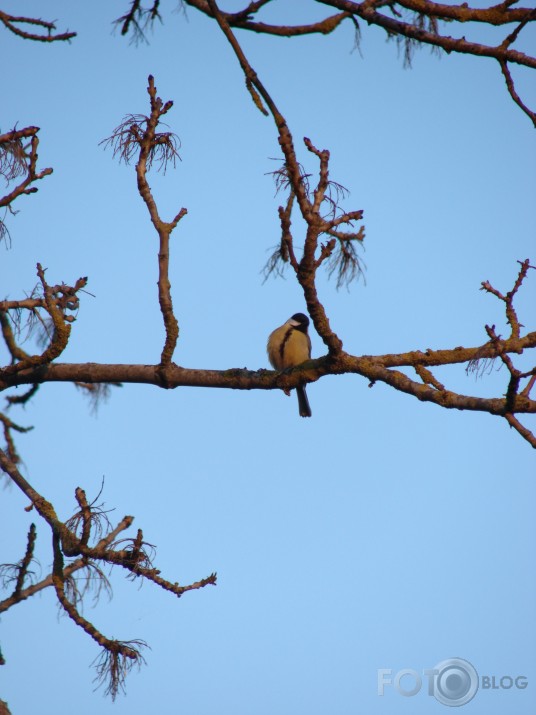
(243, 20)
(118, 656)
(12, 22)
(416, 21)
(137, 135)
(244, 379)
(513, 93)
(18, 159)
(310, 208)
(71, 568)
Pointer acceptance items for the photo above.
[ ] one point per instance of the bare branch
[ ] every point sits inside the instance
(20, 572)
(8, 426)
(126, 139)
(370, 367)
(284, 252)
(117, 657)
(16, 352)
(511, 315)
(416, 32)
(243, 19)
(523, 431)
(71, 568)
(428, 378)
(412, 22)
(17, 159)
(512, 90)
(58, 301)
(24, 398)
(16, 25)
(309, 207)
(138, 19)
(137, 135)
(530, 384)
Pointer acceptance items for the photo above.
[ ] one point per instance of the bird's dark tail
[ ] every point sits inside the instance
(303, 402)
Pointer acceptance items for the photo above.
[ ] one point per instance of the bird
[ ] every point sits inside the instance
(290, 345)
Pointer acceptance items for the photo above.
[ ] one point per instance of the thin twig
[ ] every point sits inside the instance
(11, 22)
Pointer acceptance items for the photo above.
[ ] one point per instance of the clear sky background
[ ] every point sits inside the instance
(381, 533)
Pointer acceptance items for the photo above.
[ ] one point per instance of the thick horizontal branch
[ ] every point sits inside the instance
(374, 368)
(494, 15)
(367, 12)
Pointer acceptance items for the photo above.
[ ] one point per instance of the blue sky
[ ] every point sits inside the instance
(381, 533)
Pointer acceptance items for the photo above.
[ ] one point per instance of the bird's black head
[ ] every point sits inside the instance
(300, 321)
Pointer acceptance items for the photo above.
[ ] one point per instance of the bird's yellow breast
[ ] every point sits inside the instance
(288, 347)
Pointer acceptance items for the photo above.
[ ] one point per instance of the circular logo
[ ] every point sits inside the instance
(456, 682)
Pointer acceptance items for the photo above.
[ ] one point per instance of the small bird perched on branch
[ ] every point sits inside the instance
(290, 345)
